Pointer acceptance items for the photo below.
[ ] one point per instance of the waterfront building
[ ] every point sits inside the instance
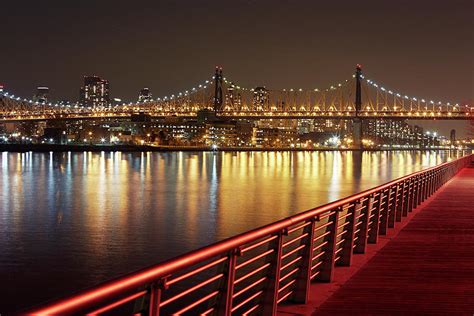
(41, 95)
(95, 92)
(233, 98)
(260, 98)
(144, 95)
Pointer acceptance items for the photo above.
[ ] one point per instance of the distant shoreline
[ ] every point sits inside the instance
(146, 148)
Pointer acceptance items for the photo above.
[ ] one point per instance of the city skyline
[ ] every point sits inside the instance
(422, 48)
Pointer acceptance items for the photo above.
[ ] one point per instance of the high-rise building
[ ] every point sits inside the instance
(260, 98)
(41, 94)
(233, 98)
(452, 137)
(144, 95)
(95, 92)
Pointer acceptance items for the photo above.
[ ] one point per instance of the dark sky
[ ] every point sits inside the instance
(423, 48)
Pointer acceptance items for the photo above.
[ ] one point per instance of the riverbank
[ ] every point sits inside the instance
(145, 148)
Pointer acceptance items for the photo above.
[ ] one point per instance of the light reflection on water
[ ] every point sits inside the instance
(70, 220)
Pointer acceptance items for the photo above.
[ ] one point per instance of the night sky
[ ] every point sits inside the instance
(420, 48)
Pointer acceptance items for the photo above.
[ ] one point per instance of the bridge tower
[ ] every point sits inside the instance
(357, 123)
(218, 89)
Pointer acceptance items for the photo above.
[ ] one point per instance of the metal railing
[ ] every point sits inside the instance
(255, 271)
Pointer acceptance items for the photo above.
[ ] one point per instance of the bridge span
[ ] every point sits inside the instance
(354, 97)
(291, 267)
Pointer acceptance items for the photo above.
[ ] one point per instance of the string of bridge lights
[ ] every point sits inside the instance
(206, 83)
(329, 88)
(404, 96)
(197, 88)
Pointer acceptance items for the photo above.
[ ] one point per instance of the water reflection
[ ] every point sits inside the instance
(86, 217)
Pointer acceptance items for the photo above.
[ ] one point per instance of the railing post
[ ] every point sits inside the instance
(399, 204)
(156, 290)
(303, 279)
(328, 259)
(375, 221)
(224, 304)
(392, 205)
(348, 244)
(419, 194)
(414, 197)
(270, 294)
(361, 243)
(426, 185)
(405, 197)
(429, 186)
(384, 209)
(410, 195)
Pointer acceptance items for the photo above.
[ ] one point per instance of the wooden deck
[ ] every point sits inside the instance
(426, 267)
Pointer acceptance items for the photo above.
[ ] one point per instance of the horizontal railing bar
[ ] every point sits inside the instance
(341, 233)
(118, 303)
(324, 225)
(192, 289)
(266, 240)
(315, 274)
(320, 246)
(293, 251)
(322, 235)
(205, 298)
(340, 241)
(289, 274)
(344, 216)
(245, 289)
(298, 227)
(248, 275)
(287, 285)
(291, 262)
(284, 297)
(251, 309)
(196, 271)
(246, 301)
(289, 242)
(318, 255)
(210, 310)
(327, 215)
(343, 224)
(243, 264)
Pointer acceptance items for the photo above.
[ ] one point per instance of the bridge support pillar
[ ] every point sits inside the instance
(357, 133)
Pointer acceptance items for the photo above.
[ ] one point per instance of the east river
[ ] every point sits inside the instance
(71, 220)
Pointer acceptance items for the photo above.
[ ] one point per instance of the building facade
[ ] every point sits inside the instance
(95, 92)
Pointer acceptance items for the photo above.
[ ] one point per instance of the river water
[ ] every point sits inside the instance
(71, 220)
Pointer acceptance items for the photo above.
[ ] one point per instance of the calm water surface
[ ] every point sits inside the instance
(71, 220)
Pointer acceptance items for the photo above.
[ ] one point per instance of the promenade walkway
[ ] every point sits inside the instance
(425, 266)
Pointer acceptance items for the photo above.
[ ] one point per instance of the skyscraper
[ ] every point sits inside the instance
(144, 95)
(41, 94)
(260, 98)
(95, 92)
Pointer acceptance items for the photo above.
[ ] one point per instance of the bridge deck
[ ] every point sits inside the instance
(426, 267)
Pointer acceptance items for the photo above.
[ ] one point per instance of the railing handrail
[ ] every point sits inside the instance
(88, 297)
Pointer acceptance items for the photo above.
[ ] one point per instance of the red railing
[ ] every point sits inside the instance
(255, 271)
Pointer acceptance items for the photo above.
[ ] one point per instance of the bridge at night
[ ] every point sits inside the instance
(355, 97)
